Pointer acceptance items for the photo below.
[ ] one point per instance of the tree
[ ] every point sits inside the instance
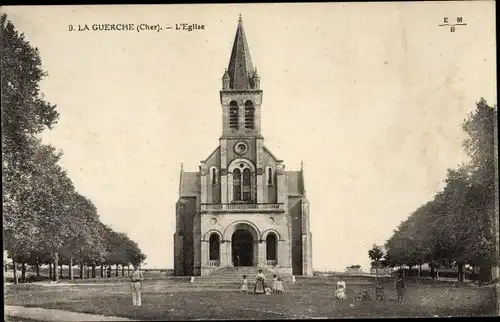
(43, 213)
(376, 254)
(86, 238)
(24, 114)
(481, 129)
(457, 226)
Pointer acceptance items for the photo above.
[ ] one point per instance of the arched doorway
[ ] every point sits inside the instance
(242, 243)
(271, 247)
(214, 247)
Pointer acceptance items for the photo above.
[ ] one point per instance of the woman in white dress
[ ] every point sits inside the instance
(340, 292)
(260, 287)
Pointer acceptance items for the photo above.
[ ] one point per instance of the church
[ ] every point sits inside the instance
(242, 208)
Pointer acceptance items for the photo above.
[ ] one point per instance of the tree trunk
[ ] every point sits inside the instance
(123, 271)
(88, 271)
(14, 265)
(71, 268)
(81, 268)
(128, 270)
(93, 270)
(433, 272)
(6, 267)
(61, 271)
(56, 263)
(37, 268)
(23, 272)
(102, 270)
(419, 270)
(116, 270)
(460, 272)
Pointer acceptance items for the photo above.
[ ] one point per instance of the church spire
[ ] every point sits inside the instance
(240, 67)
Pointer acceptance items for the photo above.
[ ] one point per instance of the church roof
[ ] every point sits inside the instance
(190, 184)
(240, 64)
(294, 182)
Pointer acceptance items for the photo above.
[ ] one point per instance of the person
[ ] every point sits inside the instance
(279, 286)
(400, 288)
(260, 286)
(136, 285)
(341, 289)
(244, 286)
(274, 285)
(379, 292)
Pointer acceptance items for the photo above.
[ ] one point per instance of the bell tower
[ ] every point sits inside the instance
(241, 99)
(241, 208)
(241, 95)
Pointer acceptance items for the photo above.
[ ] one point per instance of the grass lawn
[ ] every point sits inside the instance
(179, 300)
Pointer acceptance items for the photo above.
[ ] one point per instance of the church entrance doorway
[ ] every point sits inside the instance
(242, 245)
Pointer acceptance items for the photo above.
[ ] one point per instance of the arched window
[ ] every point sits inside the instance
(249, 115)
(213, 175)
(214, 247)
(269, 176)
(233, 115)
(271, 247)
(243, 188)
(247, 185)
(236, 184)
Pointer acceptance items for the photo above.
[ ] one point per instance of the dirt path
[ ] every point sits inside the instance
(41, 314)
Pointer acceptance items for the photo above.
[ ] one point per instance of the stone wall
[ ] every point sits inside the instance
(295, 210)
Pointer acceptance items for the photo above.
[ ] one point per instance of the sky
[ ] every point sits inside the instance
(370, 96)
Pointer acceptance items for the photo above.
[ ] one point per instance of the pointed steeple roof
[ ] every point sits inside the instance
(240, 67)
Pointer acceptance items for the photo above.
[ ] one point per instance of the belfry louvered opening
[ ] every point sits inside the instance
(233, 115)
(249, 115)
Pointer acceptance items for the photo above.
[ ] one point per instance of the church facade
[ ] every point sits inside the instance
(242, 208)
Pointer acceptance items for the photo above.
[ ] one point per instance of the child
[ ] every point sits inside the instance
(268, 291)
(279, 286)
(341, 289)
(274, 285)
(379, 292)
(400, 288)
(244, 286)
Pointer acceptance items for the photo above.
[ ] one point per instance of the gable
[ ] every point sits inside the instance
(190, 184)
(213, 158)
(270, 155)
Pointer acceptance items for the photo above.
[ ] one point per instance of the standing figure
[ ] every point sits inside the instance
(260, 287)
(340, 292)
(280, 286)
(244, 285)
(136, 285)
(274, 285)
(379, 292)
(400, 288)
(237, 259)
